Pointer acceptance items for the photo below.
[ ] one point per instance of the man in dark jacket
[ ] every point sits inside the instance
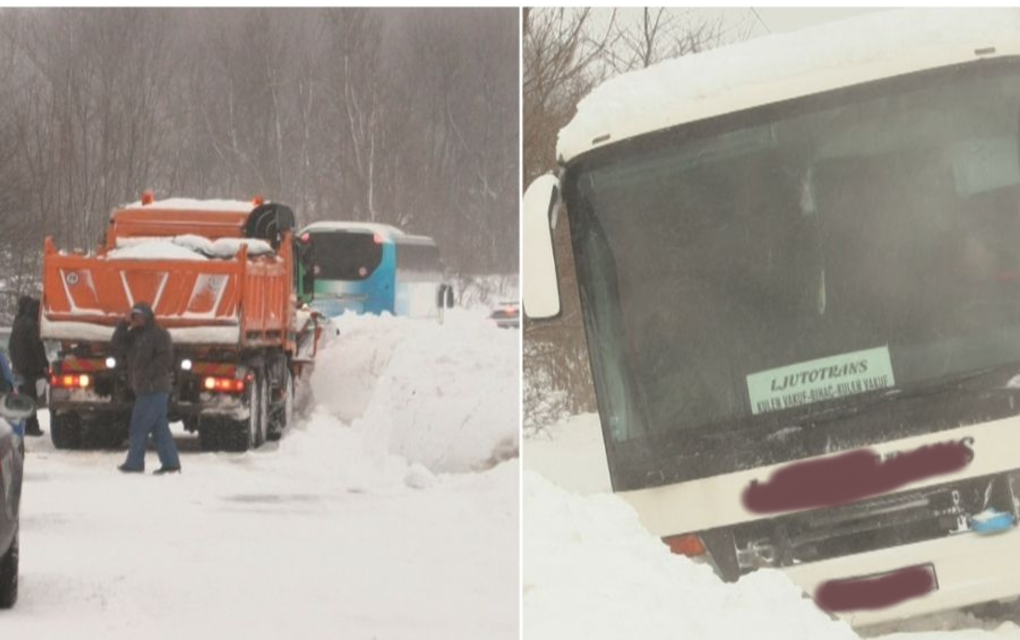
(28, 355)
(147, 351)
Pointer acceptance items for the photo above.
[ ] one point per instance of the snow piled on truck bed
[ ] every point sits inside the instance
(155, 250)
(330, 533)
(186, 247)
(784, 66)
(194, 204)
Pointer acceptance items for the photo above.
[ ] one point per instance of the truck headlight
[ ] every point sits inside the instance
(111, 362)
(186, 364)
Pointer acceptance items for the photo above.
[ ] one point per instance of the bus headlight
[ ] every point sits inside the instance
(186, 364)
(111, 362)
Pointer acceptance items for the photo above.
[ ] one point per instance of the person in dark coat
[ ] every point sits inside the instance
(147, 351)
(28, 355)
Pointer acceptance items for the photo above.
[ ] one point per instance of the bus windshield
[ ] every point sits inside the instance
(771, 262)
(345, 255)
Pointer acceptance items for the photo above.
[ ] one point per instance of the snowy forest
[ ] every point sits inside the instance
(407, 117)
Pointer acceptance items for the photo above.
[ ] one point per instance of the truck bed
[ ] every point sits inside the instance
(242, 301)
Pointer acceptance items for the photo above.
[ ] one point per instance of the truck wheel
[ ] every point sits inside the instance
(241, 435)
(282, 416)
(9, 575)
(65, 431)
(263, 421)
(106, 433)
(209, 434)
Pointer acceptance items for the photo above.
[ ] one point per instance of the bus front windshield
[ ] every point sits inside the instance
(770, 261)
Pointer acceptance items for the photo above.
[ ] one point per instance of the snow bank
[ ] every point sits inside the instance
(443, 396)
(592, 571)
(783, 66)
(571, 454)
(155, 250)
(477, 291)
(339, 456)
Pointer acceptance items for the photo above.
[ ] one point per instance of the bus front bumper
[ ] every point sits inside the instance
(968, 568)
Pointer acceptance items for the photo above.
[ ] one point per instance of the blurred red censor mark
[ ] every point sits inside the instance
(852, 476)
(876, 592)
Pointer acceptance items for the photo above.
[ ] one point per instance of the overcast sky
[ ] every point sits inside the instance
(739, 20)
(788, 19)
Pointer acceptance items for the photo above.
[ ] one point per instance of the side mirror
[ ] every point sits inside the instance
(449, 297)
(541, 287)
(16, 408)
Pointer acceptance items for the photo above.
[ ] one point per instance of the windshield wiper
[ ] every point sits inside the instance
(814, 414)
(970, 381)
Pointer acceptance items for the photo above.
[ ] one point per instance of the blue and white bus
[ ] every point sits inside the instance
(373, 268)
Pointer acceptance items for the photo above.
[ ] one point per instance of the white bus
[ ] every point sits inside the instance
(798, 261)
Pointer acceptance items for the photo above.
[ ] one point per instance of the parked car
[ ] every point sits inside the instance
(13, 409)
(9, 385)
(507, 315)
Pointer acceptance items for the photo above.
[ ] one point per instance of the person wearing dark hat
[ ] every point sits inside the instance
(147, 351)
(28, 355)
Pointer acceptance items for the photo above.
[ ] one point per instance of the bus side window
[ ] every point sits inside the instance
(419, 258)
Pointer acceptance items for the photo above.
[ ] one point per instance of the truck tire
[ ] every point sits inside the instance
(282, 415)
(65, 431)
(263, 422)
(241, 435)
(9, 575)
(104, 433)
(209, 434)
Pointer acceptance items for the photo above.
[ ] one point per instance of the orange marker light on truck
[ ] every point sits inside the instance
(685, 545)
(148, 197)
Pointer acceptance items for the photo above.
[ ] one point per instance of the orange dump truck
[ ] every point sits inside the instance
(224, 279)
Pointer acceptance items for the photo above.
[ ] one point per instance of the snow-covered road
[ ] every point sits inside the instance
(391, 512)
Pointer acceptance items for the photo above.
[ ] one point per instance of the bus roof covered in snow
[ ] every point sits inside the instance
(786, 66)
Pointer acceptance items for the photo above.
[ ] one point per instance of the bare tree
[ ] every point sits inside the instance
(561, 57)
(566, 53)
(661, 34)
